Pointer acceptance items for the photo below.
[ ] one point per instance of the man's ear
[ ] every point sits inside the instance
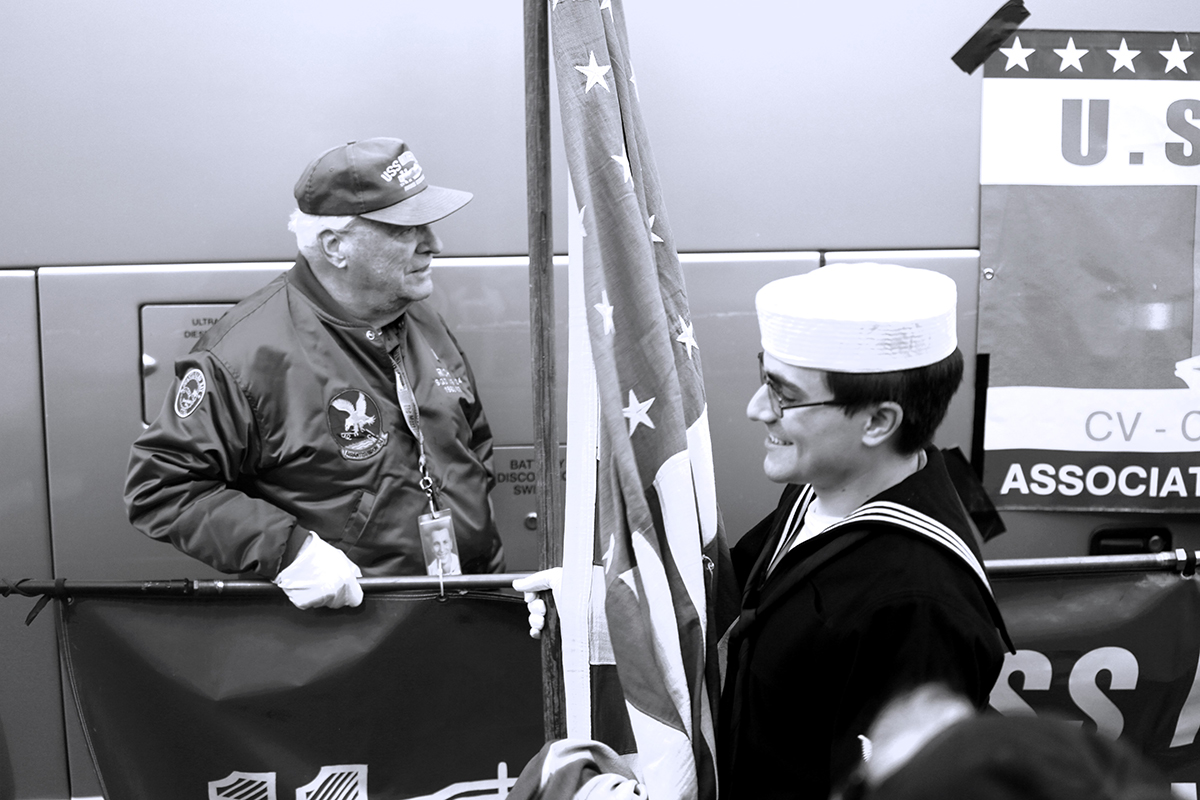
(883, 423)
(332, 248)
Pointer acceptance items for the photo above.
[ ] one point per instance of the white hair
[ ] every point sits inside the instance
(308, 227)
(907, 723)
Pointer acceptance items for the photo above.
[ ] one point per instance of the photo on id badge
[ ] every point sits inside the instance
(439, 544)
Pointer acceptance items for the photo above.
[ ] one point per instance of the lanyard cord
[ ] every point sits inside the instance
(412, 416)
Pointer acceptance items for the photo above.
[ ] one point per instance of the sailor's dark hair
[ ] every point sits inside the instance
(923, 392)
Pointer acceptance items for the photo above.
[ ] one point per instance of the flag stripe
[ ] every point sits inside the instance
(659, 536)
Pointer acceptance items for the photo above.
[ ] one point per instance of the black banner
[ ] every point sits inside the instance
(1117, 653)
(406, 696)
(412, 696)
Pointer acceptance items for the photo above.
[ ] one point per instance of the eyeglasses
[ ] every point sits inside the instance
(778, 403)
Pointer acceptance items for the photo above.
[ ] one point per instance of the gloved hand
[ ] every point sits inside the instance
(321, 575)
(532, 584)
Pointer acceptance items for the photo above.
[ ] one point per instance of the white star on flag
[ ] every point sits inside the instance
(606, 311)
(1123, 57)
(1175, 57)
(623, 160)
(633, 80)
(594, 72)
(668, 591)
(637, 412)
(1017, 55)
(1070, 55)
(579, 219)
(688, 337)
(627, 576)
(654, 237)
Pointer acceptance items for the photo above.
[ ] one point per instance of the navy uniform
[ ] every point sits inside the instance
(886, 600)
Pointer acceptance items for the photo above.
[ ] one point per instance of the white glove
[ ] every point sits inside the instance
(532, 584)
(321, 575)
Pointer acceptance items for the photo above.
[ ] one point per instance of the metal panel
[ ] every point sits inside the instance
(721, 289)
(516, 504)
(32, 756)
(168, 333)
(847, 123)
(486, 304)
(92, 372)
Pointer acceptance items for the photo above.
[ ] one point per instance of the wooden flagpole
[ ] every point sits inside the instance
(541, 330)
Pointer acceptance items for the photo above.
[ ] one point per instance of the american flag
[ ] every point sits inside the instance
(667, 579)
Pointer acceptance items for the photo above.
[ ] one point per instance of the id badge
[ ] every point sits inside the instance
(439, 544)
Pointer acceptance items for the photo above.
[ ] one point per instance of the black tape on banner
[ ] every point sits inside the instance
(974, 497)
(988, 39)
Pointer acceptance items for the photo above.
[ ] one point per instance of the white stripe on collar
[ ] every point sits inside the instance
(905, 517)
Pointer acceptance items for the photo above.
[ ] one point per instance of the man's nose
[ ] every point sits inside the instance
(430, 241)
(759, 407)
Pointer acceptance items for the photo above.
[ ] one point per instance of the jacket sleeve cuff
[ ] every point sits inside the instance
(295, 541)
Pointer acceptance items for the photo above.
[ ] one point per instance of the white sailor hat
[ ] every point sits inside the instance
(859, 318)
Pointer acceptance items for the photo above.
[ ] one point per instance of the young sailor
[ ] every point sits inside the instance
(867, 579)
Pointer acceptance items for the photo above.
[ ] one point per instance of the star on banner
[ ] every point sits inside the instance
(1017, 55)
(579, 219)
(687, 337)
(607, 4)
(1175, 57)
(606, 311)
(623, 160)
(1070, 55)
(1123, 57)
(637, 412)
(594, 72)
(654, 237)
(633, 80)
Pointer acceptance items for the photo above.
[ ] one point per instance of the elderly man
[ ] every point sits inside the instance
(330, 418)
(866, 580)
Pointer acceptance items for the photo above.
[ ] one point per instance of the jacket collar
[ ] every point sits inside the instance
(301, 276)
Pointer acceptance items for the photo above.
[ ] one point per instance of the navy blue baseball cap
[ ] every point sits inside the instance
(378, 179)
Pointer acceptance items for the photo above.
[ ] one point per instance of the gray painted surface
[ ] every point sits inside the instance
(32, 761)
(153, 133)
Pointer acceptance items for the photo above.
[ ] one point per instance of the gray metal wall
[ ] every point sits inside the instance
(32, 757)
(142, 132)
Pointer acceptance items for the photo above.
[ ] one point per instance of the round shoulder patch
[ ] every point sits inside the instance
(355, 425)
(191, 392)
